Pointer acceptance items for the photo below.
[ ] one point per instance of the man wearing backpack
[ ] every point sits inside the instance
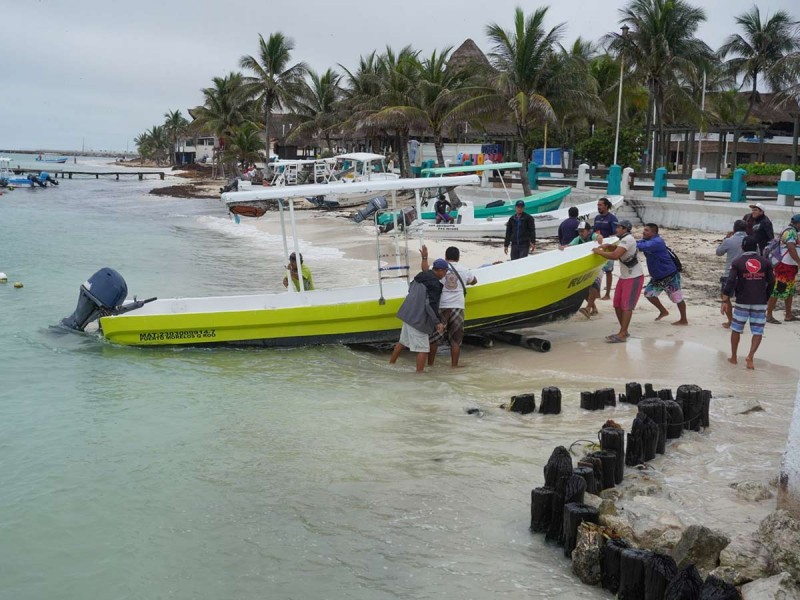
(665, 274)
(785, 267)
(749, 280)
(759, 226)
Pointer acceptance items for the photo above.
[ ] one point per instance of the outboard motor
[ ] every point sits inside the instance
(376, 203)
(101, 294)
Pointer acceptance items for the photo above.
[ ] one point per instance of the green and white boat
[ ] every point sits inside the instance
(536, 203)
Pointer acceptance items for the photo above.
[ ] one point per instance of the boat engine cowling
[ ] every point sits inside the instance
(101, 294)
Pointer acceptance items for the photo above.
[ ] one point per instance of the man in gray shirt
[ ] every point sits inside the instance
(731, 248)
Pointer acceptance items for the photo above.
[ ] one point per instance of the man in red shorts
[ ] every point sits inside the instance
(631, 278)
(785, 271)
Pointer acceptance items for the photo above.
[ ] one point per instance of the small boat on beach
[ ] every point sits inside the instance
(468, 226)
(512, 294)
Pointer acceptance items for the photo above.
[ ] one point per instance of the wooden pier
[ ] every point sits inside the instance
(115, 174)
(67, 174)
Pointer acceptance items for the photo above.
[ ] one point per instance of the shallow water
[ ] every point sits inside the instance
(305, 473)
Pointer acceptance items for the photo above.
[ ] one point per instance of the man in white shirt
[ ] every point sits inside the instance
(451, 305)
(631, 278)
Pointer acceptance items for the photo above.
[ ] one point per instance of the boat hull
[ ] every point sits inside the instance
(542, 202)
(547, 224)
(509, 298)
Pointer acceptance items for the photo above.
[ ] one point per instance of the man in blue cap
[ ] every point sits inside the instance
(520, 233)
(420, 313)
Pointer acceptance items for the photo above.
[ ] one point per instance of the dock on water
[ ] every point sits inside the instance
(68, 173)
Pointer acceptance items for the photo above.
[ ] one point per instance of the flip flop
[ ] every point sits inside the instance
(773, 320)
(615, 339)
(791, 319)
(585, 312)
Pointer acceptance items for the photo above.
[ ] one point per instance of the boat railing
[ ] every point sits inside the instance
(392, 256)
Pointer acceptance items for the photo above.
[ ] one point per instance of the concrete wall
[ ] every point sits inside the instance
(706, 215)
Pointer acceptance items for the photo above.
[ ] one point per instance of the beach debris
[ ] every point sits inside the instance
(516, 339)
(475, 411)
(18, 284)
(3, 278)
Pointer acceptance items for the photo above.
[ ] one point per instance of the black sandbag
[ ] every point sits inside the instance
(704, 415)
(523, 403)
(649, 392)
(558, 465)
(541, 508)
(716, 589)
(656, 410)
(606, 396)
(610, 560)
(609, 461)
(631, 573)
(650, 435)
(576, 513)
(596, 465)
(665, 394)
(634, 454)
(658, 572)
(589, 401)
(551, 401)
(686, 585)
(674, 419)
(555, 533)
(633, 392)
(690, 397)
(574, 489)
(613, 439)
(587, 474)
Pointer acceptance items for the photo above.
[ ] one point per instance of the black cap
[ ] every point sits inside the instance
(520, 203)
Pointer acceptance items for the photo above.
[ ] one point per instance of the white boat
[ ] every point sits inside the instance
(513, 294)
(354, 167)
(467, 226)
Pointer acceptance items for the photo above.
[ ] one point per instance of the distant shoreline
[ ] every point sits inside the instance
(70, 153)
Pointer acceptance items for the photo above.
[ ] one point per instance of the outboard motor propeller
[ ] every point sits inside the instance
(101, 294)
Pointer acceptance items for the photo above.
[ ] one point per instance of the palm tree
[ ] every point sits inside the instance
(225, 106)
(660, 45)
(760, 50)
(317, 105)
(243, 146)
(175, 125)
(524, 59)
(274, 83)
(153, 143)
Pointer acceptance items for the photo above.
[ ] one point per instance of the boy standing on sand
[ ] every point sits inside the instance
(750, 280)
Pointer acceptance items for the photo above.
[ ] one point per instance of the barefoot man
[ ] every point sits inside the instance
(750, 281)
(664, 274)
(631, 278)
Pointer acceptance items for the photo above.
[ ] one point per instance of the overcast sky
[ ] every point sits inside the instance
(100, 72)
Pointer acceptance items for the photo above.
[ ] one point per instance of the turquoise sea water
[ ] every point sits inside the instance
(229, 473)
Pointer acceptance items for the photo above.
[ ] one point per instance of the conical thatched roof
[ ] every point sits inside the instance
(467, 54)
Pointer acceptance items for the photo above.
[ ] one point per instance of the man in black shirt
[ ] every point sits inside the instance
(750, 280)
(759, 226)
(569, 227)
(520, 233)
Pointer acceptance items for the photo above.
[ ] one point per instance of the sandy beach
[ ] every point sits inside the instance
(693, 478)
